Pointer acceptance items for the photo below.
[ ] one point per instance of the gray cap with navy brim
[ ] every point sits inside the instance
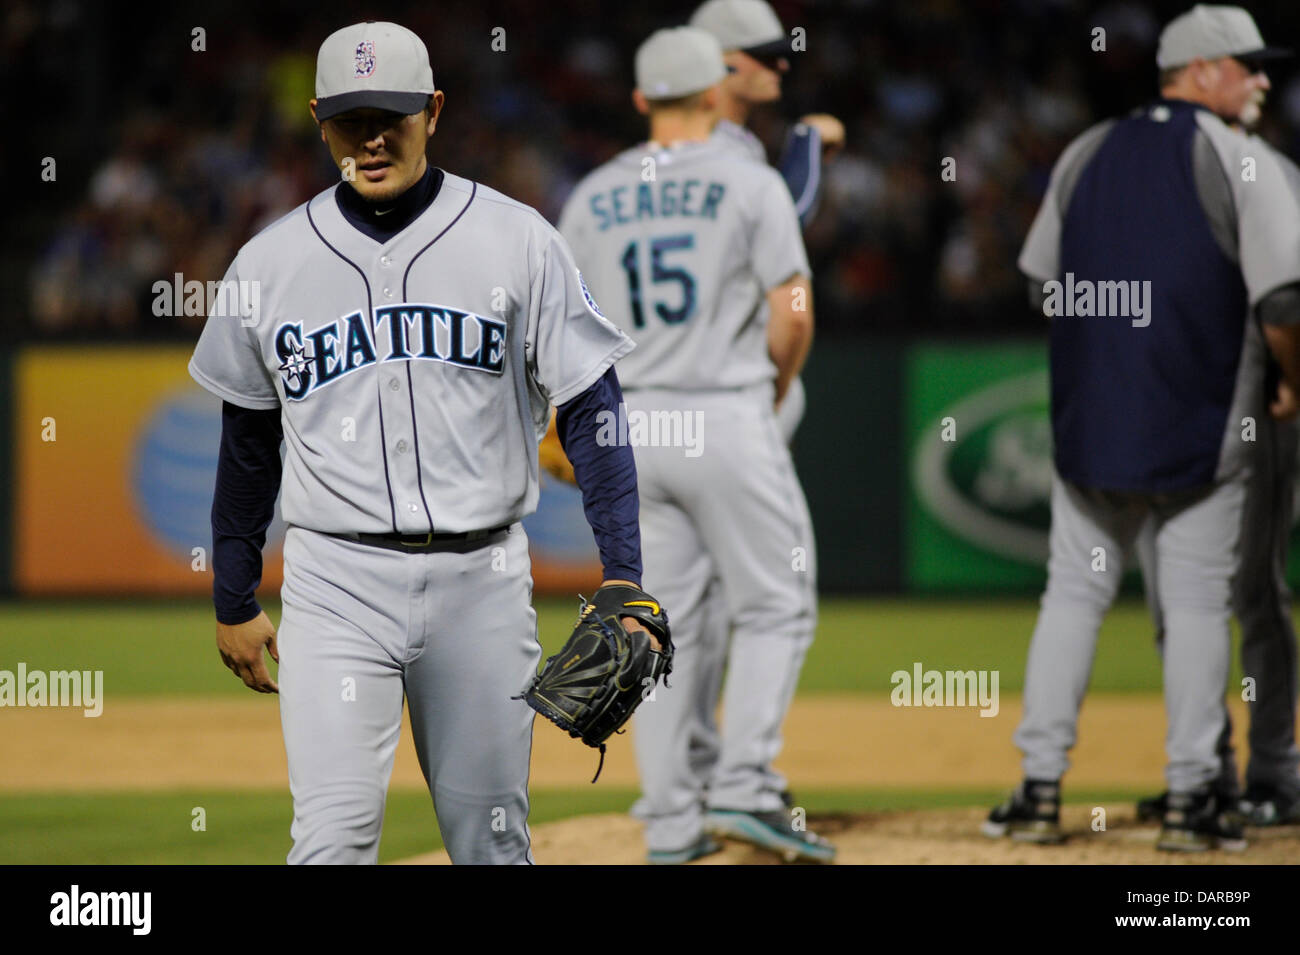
(374, 64)
(1211, 32)
(748, 25)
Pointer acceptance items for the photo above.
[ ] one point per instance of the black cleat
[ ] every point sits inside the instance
(1199, 821)
(1152, 809)
(1265, 805)
(1032, 813)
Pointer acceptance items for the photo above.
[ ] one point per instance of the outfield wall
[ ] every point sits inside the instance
(927, 468)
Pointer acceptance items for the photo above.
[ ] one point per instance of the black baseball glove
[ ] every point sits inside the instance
(604, 671)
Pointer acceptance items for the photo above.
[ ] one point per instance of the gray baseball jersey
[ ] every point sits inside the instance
(413, 378)
(682, 260)
(740, 139)
(699, 245)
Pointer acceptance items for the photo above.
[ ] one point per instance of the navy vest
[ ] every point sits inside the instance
(1145, 408)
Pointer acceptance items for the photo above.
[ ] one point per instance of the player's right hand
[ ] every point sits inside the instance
(829, 128)
(241, 646)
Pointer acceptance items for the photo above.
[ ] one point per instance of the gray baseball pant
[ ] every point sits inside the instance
(454, 633)
(1262, 604)
(734, 513)
(1196, 540)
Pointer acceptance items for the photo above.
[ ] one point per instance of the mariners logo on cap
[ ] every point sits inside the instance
(591, 302)
(365, 59)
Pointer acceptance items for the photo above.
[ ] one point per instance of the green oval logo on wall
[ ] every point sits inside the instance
(991, 484)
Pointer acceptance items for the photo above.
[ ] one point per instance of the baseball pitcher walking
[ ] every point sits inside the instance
(414, 329)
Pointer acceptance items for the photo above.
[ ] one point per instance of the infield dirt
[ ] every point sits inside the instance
(929, 837)
(832, 741)
(844, 741)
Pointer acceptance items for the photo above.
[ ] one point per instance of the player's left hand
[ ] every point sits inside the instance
(1284, 405)
(609, 668)
(632, 623)
(829, 128)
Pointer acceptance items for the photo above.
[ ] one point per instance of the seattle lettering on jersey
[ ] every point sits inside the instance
(657, 200)
(405, 332)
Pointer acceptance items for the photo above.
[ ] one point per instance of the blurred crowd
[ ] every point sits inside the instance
(178, 155)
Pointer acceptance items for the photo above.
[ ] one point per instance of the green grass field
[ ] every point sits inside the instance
(167, 648)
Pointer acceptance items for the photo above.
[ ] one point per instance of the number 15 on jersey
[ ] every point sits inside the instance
(673, 307)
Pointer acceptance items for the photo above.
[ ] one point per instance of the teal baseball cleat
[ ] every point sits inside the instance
(701, 847)
(773, 831)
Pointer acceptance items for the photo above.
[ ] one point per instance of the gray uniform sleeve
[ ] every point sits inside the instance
(778, 252)
(1268, 208)
(569, 342)
(228, 358)
(1040, 259)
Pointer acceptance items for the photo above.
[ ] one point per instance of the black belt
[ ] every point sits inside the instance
(423, 543)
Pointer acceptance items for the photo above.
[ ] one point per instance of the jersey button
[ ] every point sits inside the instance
(401, 447)
(394, 384)
(388, 293)
(385, 261)
(412, 507)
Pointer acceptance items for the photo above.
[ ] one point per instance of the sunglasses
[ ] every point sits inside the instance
(1251, 65)
(771, 61)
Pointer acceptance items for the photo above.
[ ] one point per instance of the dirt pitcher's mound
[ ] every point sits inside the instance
(937, 837)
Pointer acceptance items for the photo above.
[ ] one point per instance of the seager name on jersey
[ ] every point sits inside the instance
(401, 332)
(657, 200)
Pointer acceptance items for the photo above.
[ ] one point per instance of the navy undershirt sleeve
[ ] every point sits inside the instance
(243, 502)
(606, 473)
(801, 168)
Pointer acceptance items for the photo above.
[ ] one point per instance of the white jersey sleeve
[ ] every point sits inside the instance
(228, 359)
(569, 342)
(1267, 207)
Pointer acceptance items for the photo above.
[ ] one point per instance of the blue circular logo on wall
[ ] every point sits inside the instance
(174, 470)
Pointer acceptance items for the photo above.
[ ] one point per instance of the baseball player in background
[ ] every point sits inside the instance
(699, 258)
(1161, 265)
(756, 52)
(414, 328)
(755, 49)
(1260, 596)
